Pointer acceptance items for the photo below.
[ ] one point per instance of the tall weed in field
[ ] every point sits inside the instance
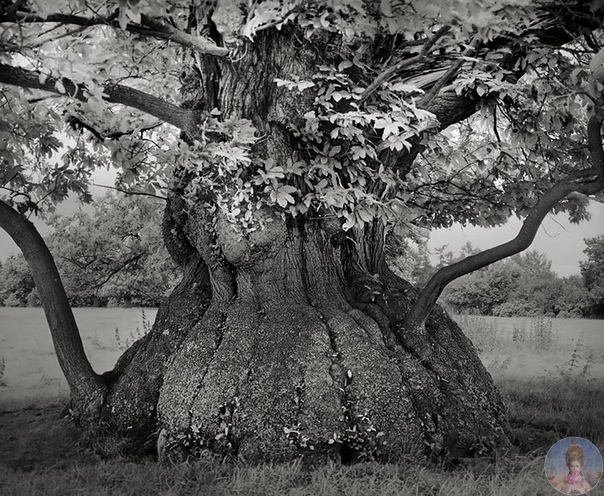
(2, 369)
(487, 337)
(578, 366)
(538, 335)
(484, 333)
(123, 344)
(535, 334)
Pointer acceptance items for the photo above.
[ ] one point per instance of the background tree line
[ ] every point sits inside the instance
(111, 254)
(522, 285)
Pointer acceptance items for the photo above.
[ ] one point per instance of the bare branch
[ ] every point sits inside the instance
(131, 192)
(118, 269)
(446, 77)
(78, 124)
(199, 44)
(391, 71)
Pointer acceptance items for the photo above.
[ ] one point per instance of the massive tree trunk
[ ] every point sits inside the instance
(282, 341)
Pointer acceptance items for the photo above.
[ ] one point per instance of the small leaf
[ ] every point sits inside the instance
(344, 65)
(349, 223)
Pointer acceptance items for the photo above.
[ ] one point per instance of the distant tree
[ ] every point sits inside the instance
(409, 255)
(483, 291)
(522, 285)
(16, 282)
(537, 288)
(574, 299)
(115, 254)
(412, 260)
(592, 271)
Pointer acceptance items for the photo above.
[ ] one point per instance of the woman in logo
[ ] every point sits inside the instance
(574, 483)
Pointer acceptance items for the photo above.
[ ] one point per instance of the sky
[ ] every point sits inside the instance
(561, 241)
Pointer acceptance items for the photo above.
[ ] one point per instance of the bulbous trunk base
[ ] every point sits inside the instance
(295, 381)
(301, 363)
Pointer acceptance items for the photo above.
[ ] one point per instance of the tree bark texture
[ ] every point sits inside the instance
(283, 341)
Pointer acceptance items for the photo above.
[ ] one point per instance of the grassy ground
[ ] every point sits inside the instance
(41, 451)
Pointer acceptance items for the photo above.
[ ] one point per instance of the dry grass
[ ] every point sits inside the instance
(518, 476)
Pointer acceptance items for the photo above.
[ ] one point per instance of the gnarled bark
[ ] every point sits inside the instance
(295, 365)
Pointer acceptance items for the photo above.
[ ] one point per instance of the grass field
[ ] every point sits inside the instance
(550, 372)
(32, 375)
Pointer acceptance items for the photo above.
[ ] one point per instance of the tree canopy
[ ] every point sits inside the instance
(592, 269)
(529, 86)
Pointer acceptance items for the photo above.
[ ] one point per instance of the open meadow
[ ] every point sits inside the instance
(32, 375)
(550, 371)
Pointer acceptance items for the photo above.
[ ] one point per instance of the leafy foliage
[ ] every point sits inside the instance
(16, 282)
(110, 253)
(523, 285)
(526, 136)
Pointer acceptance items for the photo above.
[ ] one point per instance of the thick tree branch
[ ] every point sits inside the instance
(186, 120)
(148, 27)
(78, 124)
(586, 181)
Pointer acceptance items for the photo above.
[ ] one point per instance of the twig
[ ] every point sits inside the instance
(388, 73)
(130, 192)
(148, 27)
(431, 95)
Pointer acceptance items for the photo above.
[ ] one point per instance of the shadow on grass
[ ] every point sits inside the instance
(41, 452)
(544, 411)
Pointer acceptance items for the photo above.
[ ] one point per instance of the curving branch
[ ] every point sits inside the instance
(87, 387)
(586, 181)
(449, 74)
(148, 26)
(186, 120)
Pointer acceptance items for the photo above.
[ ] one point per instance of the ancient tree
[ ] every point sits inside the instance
(297, 137)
